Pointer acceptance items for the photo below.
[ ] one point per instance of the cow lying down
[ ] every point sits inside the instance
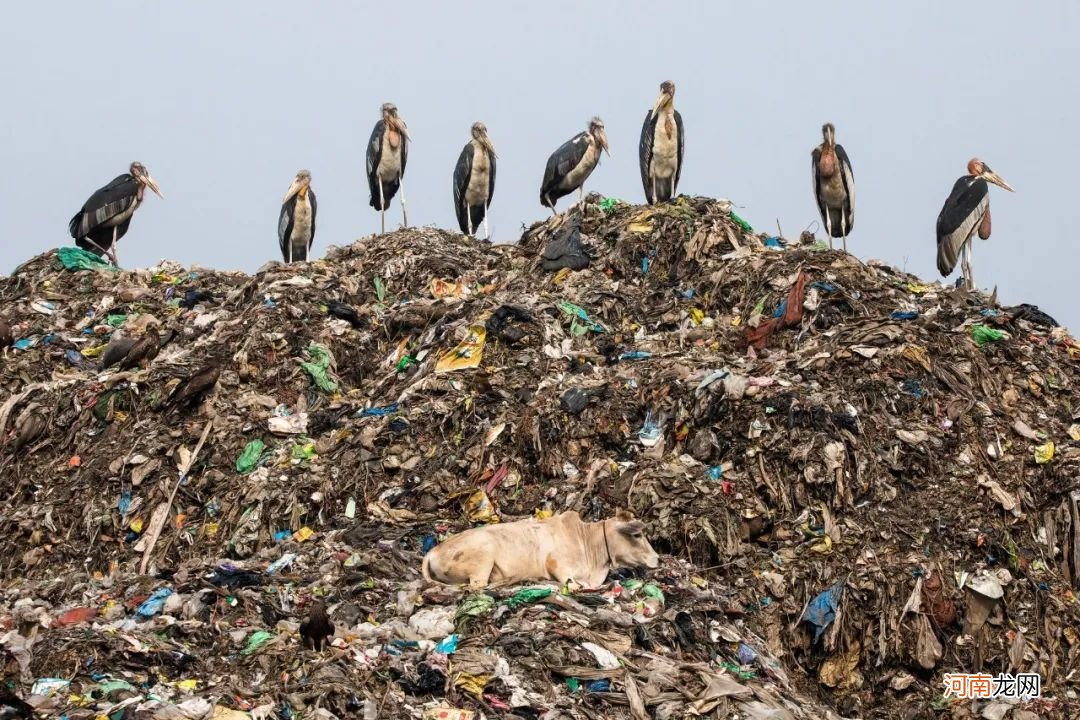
(561, 548)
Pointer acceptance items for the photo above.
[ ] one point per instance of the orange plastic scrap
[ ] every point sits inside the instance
(793, 311)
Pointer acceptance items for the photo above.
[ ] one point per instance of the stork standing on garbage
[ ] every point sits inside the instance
(570, 166)
(474, 181)
(966, 210)
(106, 216)
(387, 153)
(660, 152)
(296, 223)
(834, 186)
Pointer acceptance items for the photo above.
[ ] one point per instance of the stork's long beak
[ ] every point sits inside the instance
(993, 177)
(402, 129)
(152, 184)
(293, 189)
(489, 145)
(661, 100)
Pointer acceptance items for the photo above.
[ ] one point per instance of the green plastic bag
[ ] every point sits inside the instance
(75, 258)
(741, 223)
(318, 366)
(256, 641)
(526, 596)
(578, 314)
(984, 334)
(608, 205)
(250, 457)
(471, 608)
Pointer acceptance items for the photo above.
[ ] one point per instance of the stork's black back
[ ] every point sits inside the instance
(559, 165)
(106, 203)
(960, 214)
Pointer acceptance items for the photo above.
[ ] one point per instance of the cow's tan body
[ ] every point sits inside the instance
(562, 548)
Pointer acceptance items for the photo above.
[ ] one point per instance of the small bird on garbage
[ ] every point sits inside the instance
(660, 152)
(317, 629)
(834, 186)
(106, 216)
(193, 389)
(387, 153)
(474, 181)
(28, 426)
(116, 350)
(296, 223)
(966, 210)
(570, 166)
(142, 351)
(12, 706)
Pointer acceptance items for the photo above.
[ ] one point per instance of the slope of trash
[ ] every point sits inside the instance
(858, 481)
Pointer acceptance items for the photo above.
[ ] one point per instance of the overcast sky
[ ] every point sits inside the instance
(225, 101)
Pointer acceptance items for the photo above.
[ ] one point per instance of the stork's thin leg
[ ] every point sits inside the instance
(828, 226)
(970, 272)
(487, 232)
(468, 218)
(112, 247)
(843, 224)
(382, 207)
(404, 211)
(653, 198)
(581, 195)
(290, 250)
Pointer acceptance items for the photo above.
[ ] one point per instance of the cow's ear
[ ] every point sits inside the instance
(623, 516)
(633, 528)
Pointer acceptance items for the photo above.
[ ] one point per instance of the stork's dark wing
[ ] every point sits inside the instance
(491, 176)
(462, 171)
(562, 161)
(848, 178)
(682, 142)
(285, 225)
(815, 159)
(374, 155)
(648, 132)
(314, 208)
(961, 214)
(106, 203)
(404, 154)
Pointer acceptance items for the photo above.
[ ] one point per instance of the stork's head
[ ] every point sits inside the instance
(978, 168)
(392, 119)
(596, 129)
(480, 134)
(828, 132)
(142, 175)
(299, 186)
(666, 97)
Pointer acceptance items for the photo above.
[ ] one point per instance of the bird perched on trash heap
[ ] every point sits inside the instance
(474, 181)
(834, 186)
(296, 223)
(193, 389)
(387, 153)
(317, 629)
(142, 351)
(28, 426)
(660, 152)
(570, 166)
(966, 210)
(6, 338)
(106, 216)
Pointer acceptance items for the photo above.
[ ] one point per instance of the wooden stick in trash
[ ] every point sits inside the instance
(155, 532)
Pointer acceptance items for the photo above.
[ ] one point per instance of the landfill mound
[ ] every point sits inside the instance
(858, 481)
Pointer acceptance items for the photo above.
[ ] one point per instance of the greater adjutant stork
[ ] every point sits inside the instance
(660, 152)
(387, 153)
(966, 210)
(570, 165)
(296, 224)
(474, 181)
(105, 217)
(834, 186)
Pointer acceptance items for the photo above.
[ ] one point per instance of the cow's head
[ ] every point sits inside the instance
(627, 542)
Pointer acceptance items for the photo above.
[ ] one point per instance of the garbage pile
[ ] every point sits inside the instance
(858, 481)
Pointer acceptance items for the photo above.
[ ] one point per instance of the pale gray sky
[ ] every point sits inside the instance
(225, 101)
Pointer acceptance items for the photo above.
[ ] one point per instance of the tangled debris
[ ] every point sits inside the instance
(859, 482)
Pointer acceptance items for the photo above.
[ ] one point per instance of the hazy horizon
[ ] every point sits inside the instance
(224, 103)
